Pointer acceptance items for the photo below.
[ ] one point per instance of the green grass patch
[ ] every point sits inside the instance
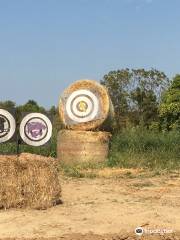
(133, 148)
(145, 149)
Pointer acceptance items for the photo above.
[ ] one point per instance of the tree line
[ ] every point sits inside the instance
(145, 98)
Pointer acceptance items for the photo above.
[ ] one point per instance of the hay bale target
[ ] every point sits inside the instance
(82, 146)
(30, 181)
(85, 105)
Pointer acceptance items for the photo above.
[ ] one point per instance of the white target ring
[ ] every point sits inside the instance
(35, 129)
(8, 126)
(88, 99)
(87, 102)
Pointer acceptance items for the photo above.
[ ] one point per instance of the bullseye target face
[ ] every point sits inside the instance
(7, 125)
(82, 106)
(35, 129)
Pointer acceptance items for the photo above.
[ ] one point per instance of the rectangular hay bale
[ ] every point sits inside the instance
(29, 181)
(10, 191)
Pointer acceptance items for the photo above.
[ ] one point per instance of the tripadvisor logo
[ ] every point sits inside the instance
(139, 231)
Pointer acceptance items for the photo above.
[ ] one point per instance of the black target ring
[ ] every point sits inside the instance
(7, 125)
(86, 96)
(8, 122)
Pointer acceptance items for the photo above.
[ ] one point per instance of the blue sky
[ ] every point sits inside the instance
(47, 44)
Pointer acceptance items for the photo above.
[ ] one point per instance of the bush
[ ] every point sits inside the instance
(145, 149)
(48, 150)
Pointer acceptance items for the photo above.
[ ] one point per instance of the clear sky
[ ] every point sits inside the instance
(47, 44)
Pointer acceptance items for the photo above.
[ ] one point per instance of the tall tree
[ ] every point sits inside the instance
(152, 79)
(170, 107)
(117, 83)
(145, 107)
(135, 94)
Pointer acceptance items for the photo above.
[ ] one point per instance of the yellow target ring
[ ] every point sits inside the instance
(82, 106)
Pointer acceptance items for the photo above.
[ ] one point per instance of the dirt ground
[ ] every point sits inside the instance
(104, 208)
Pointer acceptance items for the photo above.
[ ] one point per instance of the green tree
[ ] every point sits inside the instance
(169, 109)
(31, 106)
(7, 104)
(117, 83)
(57, 124)
(147, 87)
(145, 107)
(147, 80)
(53, 110)
(135, 94)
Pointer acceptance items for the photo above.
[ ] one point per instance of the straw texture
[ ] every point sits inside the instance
(82, 146)
(29, 181)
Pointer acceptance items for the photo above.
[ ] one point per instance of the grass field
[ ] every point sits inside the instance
(134, 148)
(145, 149)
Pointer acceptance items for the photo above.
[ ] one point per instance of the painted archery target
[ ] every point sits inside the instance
(82, 106)
(35, 129)
(7, 126)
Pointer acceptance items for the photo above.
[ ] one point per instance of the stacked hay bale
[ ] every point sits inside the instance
(84, 108)
(28, 181)
(82, 146)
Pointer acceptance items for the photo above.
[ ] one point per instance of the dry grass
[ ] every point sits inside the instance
(29, 181)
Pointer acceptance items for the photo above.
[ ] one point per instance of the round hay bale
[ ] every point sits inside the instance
(82, 146)
(85, 105)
